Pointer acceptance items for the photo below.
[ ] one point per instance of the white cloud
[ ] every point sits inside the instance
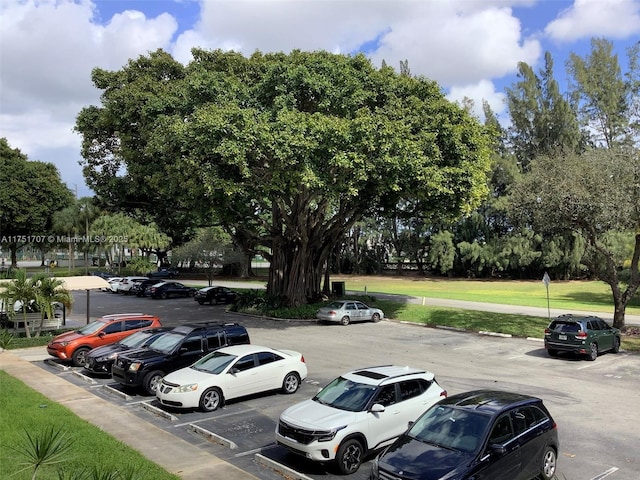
(49, 48)
(483, 90)
(596, 18)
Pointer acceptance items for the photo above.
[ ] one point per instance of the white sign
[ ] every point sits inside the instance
(546, 280)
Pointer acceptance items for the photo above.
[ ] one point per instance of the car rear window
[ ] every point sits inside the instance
(570, 327)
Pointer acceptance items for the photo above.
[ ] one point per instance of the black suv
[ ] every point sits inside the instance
(585, 335)
(176, 349)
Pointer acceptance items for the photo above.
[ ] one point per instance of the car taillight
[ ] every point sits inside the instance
(547, 331)
(443, 393)
(581, 335)
(333, 312)
(302, 359)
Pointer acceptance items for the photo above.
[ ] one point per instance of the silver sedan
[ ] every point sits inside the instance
(347, 311)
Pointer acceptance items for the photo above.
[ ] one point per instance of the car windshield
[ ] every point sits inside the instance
(214, 363)
(90, 328)
(451, 428)
(167, 343)
(346, 395)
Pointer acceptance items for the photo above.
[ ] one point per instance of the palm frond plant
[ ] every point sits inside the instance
(48, 446)
(20, 289)
(49, 291)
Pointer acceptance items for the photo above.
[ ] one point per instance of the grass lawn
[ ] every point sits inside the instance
(570, 295)
(93, 451)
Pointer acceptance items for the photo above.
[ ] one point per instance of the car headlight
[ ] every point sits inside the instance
(113, 356)
(192, 387)
(63, 344)
(330, 435)
(135, 366)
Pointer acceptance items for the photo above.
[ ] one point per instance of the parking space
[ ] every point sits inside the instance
(592, 402)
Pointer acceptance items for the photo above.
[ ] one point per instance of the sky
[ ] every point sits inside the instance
(470, 47)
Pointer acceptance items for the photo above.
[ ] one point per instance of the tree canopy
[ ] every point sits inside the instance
(288, 150)
(26, 209)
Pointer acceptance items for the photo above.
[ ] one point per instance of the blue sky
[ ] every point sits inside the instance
(470, 47)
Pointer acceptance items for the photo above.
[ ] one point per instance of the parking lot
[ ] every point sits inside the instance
(593, 403)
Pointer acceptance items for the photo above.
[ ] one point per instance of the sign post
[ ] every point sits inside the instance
(546, 280)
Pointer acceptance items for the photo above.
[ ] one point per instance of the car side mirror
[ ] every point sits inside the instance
(233, 371)
(499, 450)
(101, 334)
(376, 408)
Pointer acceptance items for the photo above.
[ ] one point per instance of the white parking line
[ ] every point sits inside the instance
(605, 474)
(586, 366)
(214, 417)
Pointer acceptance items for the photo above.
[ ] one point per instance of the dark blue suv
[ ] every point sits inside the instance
(479, 435)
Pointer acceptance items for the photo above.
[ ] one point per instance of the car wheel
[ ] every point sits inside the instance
(375, 318)
(163, 295)
(79, 357)
(349, 456)
(200, 302)
(152, 381)
(549, 461)
(291, 383)
(211, 399)
(593, 351)
(616, 345)
(345, 320)
(552, 352)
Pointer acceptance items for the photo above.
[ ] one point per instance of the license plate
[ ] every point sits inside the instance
(562, 337)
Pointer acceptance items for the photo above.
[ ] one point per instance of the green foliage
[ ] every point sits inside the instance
(601, 93)
(30, 411)
(286, 151)
(36, 192)
(48, 445)
(140, 266)
(6, 338)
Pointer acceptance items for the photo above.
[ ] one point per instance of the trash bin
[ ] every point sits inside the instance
(337, 288)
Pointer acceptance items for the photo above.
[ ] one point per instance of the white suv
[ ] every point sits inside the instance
(357, 413)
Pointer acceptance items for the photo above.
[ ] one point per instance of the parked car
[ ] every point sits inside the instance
(481, 434)
(585, 335)
(232, 372)
(347, 311)
(357, 413)
(139, 286)
(73, 346)
(177, 349)
(215, 295)
(124, 286)
(113, 285)
(169, 289)
(100, 359)
(163, 272)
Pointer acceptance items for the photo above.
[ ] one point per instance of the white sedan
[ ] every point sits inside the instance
(232, 372)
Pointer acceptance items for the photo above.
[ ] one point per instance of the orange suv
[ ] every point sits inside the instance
(103, 331)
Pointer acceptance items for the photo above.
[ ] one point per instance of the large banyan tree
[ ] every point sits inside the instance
(287, 151)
